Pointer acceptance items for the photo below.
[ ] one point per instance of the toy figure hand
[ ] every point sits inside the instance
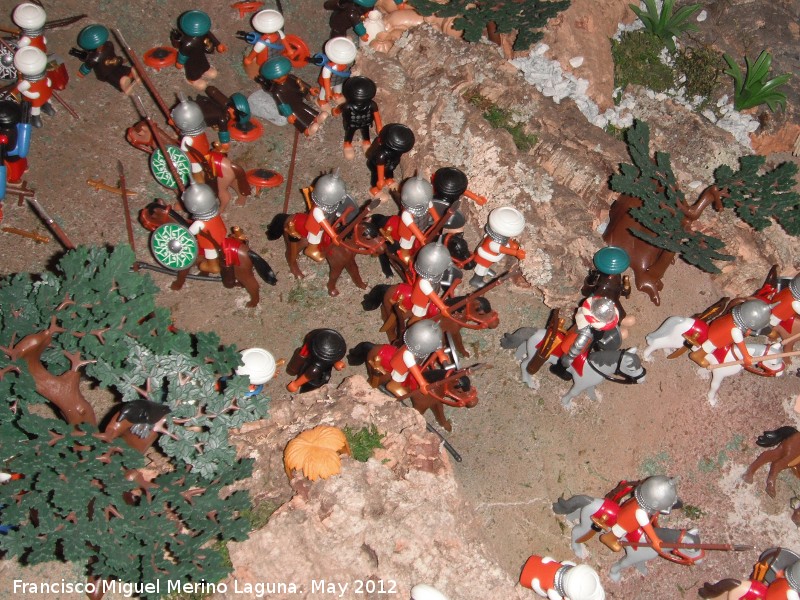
(222, 48)
(365, 37)
(521, 254)
(481, 200)
(313, 91)
(339, 365)
(249, 61)
(81, 75)
(656, 545)
(178, 65)
(291, 119)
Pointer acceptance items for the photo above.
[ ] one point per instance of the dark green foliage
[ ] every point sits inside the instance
(528, 17)
(760, 198)
(499, 118)
(79, 498)
(637, 62)
(756, 199)
(753, 88)
(363, 442)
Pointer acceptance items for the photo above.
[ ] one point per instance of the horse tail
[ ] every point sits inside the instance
(358, 354)
(374, 298)
(715, 590)
(275, 228)
(772, 438)
(511, 341)
(565, 506)
(262, 267)
(386, 265)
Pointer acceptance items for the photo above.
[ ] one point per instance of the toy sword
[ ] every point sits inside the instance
(54, 227)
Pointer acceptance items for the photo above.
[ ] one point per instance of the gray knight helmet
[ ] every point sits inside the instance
(753, 315)
(188, 117)
(201, 201)
(792, 574)
(329, 192)
(416, 195)
(504, 223)
(423, 338)
(580, 582)
(656, 494)
(432, 261)
(794, 287)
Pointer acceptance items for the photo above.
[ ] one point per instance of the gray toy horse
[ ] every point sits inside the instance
(611, 363)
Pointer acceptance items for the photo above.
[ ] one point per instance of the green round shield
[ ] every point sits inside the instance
(174, 246)
(161, 170)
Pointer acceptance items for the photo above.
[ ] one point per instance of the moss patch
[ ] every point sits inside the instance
(500, 118)
(702, 67)
(636, 61)
(363, 442)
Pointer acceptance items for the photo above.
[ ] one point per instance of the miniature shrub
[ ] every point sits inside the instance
(363, 442)
(702, 67)
(636, 61)
(666, 24)
(753, 88)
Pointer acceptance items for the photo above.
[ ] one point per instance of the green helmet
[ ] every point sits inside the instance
(276, 67)
(611, 260)
(240, 104)
(365, 3)
(194, 23)
(92, 37)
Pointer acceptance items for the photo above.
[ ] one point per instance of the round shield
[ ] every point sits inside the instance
(7, 68)
(298, 51)
(174, 246)
(161, 170)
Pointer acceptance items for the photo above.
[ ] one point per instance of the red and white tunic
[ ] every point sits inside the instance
(216, 228)
(36, 92)
(201, 144)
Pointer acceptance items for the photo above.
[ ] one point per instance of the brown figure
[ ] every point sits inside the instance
(785, 454)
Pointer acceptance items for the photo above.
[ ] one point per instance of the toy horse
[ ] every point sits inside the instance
(785, 454)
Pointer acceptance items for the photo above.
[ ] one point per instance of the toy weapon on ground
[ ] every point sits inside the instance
(54, 227)
(548, 343)
(126, 208)
(101, 185)
(28, 234)
(290, 173)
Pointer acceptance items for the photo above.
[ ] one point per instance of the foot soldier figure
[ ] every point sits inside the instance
(30, 19)
(504, 224)
(561, 580)
(290, 94)
(384, 155)
(34, 85)
(312, 363)
(98, 55)
(341, 53)
(194, 40)
(269, 23)
(359, 112)
(15, 141)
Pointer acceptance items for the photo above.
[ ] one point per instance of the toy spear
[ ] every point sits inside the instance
(124, 193)
(54, 227)
(154, 130)
(755, 359)
(688, 546)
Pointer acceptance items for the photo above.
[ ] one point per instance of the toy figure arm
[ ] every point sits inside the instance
(647, 527)
(294, 386)
(417, 373)
(738, 339)
(378, 121)
(479, 200)
(339, 365)
(24, 131)
(326, 227)
(792, 595)
(439, 303)
(361, 31)
(513, 249)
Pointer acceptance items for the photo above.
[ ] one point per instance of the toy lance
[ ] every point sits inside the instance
(54, 227)
(124, 193)
(154, 130)
(688, 546)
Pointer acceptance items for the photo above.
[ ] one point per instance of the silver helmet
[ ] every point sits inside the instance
(188, 117)
(505, 223)
(416, 195)
(658, 493)
(581, 582)
(423, 338)
(753, 315)
(432, 261)
(201, 201)
(329, 191)
(794, 287)
(792, 574)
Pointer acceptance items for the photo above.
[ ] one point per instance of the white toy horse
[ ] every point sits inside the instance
(670, 337)
(621, 366)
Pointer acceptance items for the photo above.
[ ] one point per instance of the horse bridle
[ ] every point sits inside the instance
(618, 376)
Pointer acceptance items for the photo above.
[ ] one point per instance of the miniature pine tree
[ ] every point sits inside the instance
(528, 17)
(666, 216)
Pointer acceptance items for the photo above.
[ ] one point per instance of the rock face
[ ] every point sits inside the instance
(397, 520)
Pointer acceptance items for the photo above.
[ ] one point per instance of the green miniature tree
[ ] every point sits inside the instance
(527, 17)
(82, 496)
(758, 198)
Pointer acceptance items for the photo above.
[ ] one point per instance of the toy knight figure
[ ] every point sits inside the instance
(34, 85)
(341, 54)
(430, 264)
(655, 495)
(289, 93)
(188, 118)
(384, 155)
(504, 224)
(420, 341)
(194, 40)
(312, 363)
(786, 305)
(329, 195)
(415, 198)
(606, 278)
(561, 580)
(743, 320)
(208, 226)
(15, 141)
(594, 314)
(99, 56)
(269, 23)
(30, 18)
(359, 112)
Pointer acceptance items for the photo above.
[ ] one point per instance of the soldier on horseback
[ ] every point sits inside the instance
(208, 226)
(730, 329)
(329, 197)
(189, 120)
(420, 341)
(595, 314)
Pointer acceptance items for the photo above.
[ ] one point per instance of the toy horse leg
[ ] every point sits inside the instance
(244, 275)
(180, 280)
(355, 274)
(774, 470)
(438, 411)
(763, 458)
(335, 269)
(292, 253)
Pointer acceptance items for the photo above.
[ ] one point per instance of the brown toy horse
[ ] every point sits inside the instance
(477, 313)
(365, 239)
(785, 454)
(218, 170)
(240, 261)
(456, 391)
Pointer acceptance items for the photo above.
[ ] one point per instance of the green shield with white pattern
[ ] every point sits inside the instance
(174, 246)
(161, 170)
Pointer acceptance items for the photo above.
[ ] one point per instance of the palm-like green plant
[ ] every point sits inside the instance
(753, 88)
(667, 24)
